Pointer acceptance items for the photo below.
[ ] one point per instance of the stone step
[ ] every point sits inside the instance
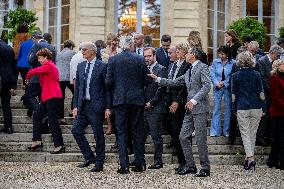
(23, 112)
(113, 158)
(19, 105)
(149, 148)
(68, 138)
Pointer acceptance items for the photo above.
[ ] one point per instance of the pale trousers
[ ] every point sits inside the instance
(248, 123)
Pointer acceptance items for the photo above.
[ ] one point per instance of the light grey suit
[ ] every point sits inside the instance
(197, 81)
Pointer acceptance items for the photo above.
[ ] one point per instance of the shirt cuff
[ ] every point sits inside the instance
(158, 80)
(194, 102)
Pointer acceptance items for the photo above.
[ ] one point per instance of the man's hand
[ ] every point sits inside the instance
(189, 105)
(27, 81)
(75, 111)
(153, 76)
(13, 92)
(148, 105)
(173, 107)
(107, 113)
(220, 85)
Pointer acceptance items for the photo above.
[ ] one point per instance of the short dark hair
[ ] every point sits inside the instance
(197, 52)
(224, 49)
(23, 28)
(166, 38)
(45, 53)
(47, 37)
(248, 39)
(100, 44)
(280, 41)
(150, 48)
(68, 44)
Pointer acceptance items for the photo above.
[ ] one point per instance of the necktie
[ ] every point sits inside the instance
(86, 74)
(149, 68)
(139, 51)
(189, 73)
(173, 71)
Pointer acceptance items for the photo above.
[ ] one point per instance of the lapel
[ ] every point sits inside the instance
(155, 69)
(195, 68)
(181, 69)
(95, 70)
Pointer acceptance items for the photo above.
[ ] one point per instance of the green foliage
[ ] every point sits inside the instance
(281, 32)
(249, 27)
(17, 17)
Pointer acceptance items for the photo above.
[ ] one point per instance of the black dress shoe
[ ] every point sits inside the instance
(180, 167)
(203, 173)
(86, 163)
(170, 144)
(30, 112)
(138, 168)
(97, 169)
(60, 151)
(36, 148)
(62, 122)
(187, 170)
(7, 130)
(156, 166)
(123, 170)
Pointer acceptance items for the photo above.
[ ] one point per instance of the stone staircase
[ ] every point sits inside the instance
(14, 147)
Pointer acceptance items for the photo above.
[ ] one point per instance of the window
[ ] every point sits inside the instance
(263, 11)
(217, 24)
(57, 21)
(139, 16)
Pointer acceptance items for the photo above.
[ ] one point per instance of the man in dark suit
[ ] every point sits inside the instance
(264, 66)
(178, 100)
(30, 99)
(127, 77)
(91, 100)
(155, 107)
(8, 83)
(162, 55)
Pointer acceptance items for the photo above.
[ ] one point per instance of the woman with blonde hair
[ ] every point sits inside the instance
(248, 103)
(276, 83)
(112, 48)
(194, 40)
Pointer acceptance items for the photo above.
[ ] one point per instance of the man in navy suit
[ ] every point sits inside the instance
(127, 77)
(91, 100)
(162, 55)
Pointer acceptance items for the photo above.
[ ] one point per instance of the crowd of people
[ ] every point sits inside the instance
(141, 90)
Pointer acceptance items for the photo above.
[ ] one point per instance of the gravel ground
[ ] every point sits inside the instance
(67, 175)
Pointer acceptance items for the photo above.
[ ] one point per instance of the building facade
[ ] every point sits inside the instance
(90, 20)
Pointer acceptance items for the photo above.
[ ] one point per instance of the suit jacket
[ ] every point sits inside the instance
(24, 54)
(100, 96)
(179, 94)
(264, 66)
(155, 94)
(33, 58)
(198, 86)
(7, 65)
(161, 57)
(127, 77)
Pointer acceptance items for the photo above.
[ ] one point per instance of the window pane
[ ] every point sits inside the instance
(221, 21)
(268, 8)
(210, 38)
(126, 16)
(221, 5)
(64, 33)
(52, 32)
(4, 5)
(65, 2)
(210, 55)
(210, 19)
(53, 3)
(252, 7)
(211, 4)
(269, 24)
(52, 17)
(220, 38)
(65, 15)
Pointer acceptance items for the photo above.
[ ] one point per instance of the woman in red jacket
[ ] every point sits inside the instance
(50, 101)
(277, 115)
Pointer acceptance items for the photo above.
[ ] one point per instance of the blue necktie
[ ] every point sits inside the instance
(86, 78)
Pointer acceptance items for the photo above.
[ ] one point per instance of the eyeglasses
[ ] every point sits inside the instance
(84, 49)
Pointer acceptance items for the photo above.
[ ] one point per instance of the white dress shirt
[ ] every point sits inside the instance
(88, 97)
(76, 59)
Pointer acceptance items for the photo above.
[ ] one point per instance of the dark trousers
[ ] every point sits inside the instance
(32, 96)
(177, 120)
(6, 108)
(130, 116)
(23, 72)
(233, 131)
(153, 125)
(264, 133)
(51, 109)
(277, 147)
(86, 116)
(63, 85)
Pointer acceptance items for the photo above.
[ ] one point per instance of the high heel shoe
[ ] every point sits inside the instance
(37, 147)
(251, 165)
(61, 150)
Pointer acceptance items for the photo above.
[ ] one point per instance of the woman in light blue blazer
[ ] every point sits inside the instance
(220, 74)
